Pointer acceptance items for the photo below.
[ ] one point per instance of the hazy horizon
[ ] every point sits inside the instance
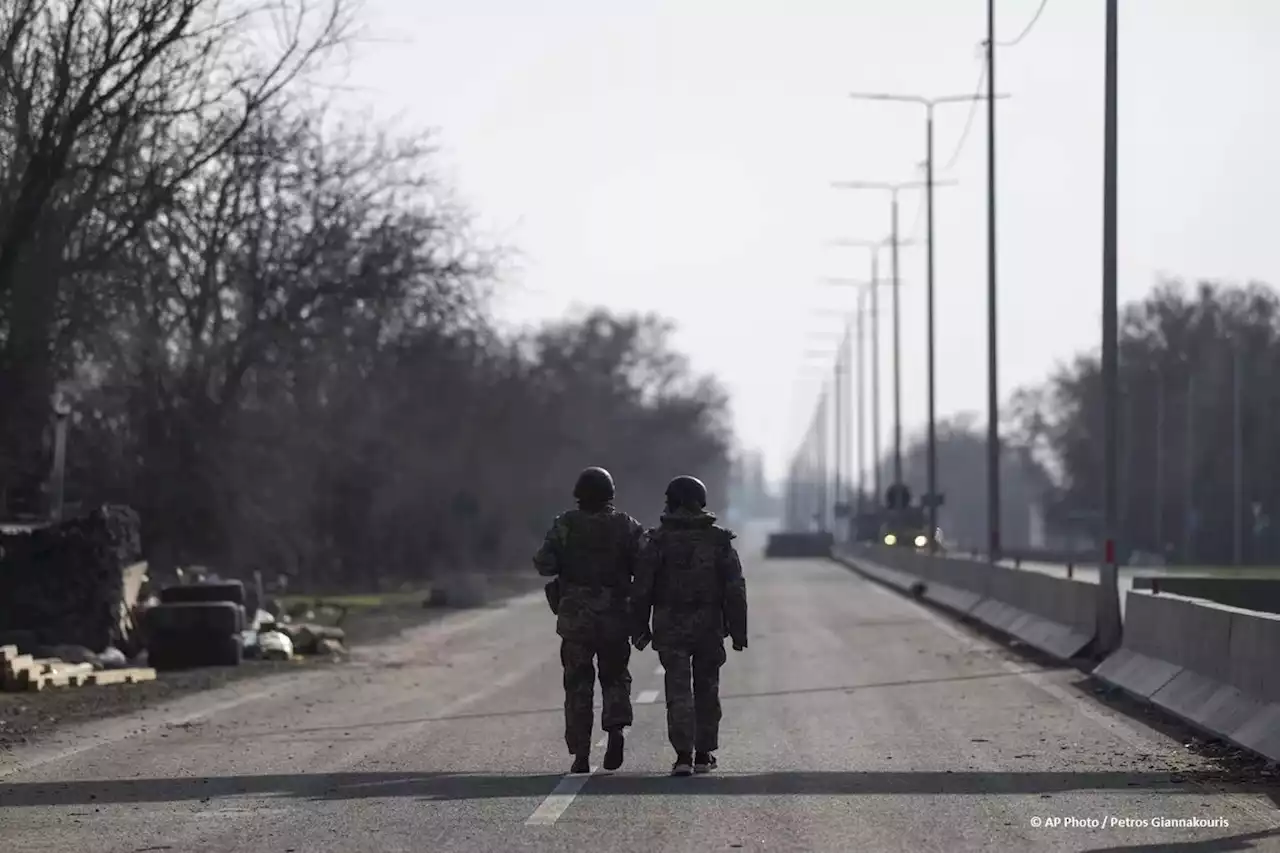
(678, 158)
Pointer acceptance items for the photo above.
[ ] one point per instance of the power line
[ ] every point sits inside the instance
(968, 122)
(1027, 30)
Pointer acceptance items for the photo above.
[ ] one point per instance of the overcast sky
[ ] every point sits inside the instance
(677, 156)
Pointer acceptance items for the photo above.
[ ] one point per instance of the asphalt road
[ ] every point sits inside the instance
(856, 721)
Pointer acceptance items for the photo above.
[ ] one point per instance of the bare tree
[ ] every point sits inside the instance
(107, 108)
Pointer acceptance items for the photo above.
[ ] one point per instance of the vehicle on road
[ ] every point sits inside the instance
(903, 525)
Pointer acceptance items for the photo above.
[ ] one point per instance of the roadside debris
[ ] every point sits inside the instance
(275, 645)
(73, 583)
(19, 672)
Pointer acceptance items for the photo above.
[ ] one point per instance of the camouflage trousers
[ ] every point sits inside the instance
(579, 661)
(692, 684)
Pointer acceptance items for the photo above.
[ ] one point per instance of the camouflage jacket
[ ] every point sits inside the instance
(689, 579)
(592, 556)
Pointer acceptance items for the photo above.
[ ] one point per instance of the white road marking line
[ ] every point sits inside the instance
(1128, 732)
(647, 697)
(550, 809)
(561, 797)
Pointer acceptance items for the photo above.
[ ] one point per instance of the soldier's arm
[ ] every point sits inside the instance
(735, 593)
(547, 559)
(642, 583)
(635, 533)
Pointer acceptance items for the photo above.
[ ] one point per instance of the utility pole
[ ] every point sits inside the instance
(862, 421)
(843, 406)
(824, 442)
(931, 458)
(1108, 617)
(1159, 491)
(838, 473)
(1237, 454)
(846, 433)
(897, 350)
(875, 372)
(1189, 484)
(993, 389)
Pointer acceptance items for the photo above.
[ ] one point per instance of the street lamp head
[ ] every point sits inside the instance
(861, 185)
(858, 244)
(881, 96)
(965, 99)
(888, 186)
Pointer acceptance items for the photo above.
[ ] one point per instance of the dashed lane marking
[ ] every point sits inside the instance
(561, 797)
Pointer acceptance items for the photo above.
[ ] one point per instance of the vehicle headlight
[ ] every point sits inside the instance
(890, 539)
(921, 541)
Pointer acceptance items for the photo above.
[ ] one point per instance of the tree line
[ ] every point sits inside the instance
(274, 329)
(1198, 462)
(1199, 465)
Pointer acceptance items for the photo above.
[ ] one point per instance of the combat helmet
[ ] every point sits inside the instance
(687, 491)
(594, 487)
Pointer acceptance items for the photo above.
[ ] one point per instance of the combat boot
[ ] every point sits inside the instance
(581, 763)
(704, 762)
(683, 765)
(613, 753)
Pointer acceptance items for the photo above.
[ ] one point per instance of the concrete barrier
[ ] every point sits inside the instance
(911, 571)
(795, 544)
(954, 583)
(858, 560)
(1053, 615)
(1209, 664)
(1252, 593)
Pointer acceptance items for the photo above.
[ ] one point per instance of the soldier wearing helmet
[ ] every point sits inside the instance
(590, 553)
(689, 581)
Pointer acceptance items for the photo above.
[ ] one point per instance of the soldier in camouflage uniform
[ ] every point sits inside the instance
(689, 579)
(590, 553)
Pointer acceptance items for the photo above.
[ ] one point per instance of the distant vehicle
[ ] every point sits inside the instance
(903, 525)
(905, 528)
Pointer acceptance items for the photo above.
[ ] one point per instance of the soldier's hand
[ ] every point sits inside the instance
(641, 640)
(739, 645)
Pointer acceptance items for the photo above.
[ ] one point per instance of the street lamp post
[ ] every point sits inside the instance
(894, 189)
(874, 288)
(930, 183)
(993, 363)
(862, 414)
(828, 407)
(852, 330)
(1108, 587)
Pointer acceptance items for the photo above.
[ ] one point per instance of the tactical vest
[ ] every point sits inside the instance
(689, 574)
(595, 554)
